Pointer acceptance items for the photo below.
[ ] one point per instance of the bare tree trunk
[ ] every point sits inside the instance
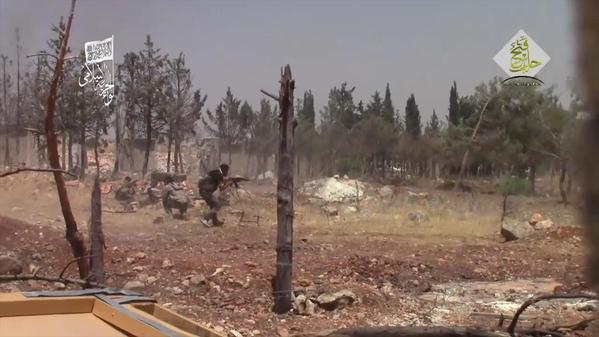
(83, 155)
(283, 286)
(181, 167)
(96, 235)
(96, 157)
(63, 158)
(168, 155)
(588, 42)
(144, 169)
(532, 176)
(458, 182)
(18, 112)
(6, 119)
(70, 151)
(117, 142)
(562, 178)
(73, 235)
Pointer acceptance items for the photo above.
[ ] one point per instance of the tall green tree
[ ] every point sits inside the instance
(152, 94)
(264, 134)
(454, 107)
(307, 112)
(224, 123)
(433, 128)
(184, 108)
(375, 107)
(340, 108)
(388, 111)
(412, 118)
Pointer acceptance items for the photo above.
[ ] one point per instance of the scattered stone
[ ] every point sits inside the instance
(251, 264)
(330, 210)
(138, 269)
(185, 283)
(10, 265)
(281, 331)
(36, 257)
(386, 191)
(59, 286)
(588, 306)
(217, 271)
(349, 209)
(151, 280)
(235, 333)
(134, 286)
(167, 264)
(337, 300)
(197, 280)
(140, 255)
(515, 230)
(537, 217)
(177, 291)
(142, 277)
(304, 282)
(413, 197)
(417, 216)
(130, 260)
(543, 225)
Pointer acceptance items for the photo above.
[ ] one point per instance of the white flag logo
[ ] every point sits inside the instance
(99, 51)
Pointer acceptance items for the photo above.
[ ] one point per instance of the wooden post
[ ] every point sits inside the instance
(282, 283)
(588, 56)
(96, 235)
(73, 235)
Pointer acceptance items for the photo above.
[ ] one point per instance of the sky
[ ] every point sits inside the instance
(418, 46)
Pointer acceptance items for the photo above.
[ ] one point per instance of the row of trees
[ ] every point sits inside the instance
(522, 129)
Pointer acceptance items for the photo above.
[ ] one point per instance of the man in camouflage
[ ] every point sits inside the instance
(174, 196)
(207, 186)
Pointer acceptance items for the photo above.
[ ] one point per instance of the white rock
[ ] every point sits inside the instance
(515, 230)
(134, 286)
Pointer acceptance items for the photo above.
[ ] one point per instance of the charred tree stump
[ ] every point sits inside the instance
(96, 235)
(73, 235)
(282, 287)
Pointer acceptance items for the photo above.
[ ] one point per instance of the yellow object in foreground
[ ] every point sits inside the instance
(91, 313)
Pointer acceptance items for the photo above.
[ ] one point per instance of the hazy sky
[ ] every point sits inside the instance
(417, 46)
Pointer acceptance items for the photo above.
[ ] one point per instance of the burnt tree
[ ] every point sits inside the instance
(282, 287)
(96, 235)
(73, 235)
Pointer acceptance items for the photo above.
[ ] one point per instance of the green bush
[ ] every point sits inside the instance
(511, 185)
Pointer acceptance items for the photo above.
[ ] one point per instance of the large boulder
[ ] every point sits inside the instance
(330, 210)
(514, 230)
(417, 216)
(386, 191)
(10, 265)
(334, 189)
(337, 300)
(544, 225)
(137, 286)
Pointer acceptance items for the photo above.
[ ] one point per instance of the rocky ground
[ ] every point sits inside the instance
(440, 268)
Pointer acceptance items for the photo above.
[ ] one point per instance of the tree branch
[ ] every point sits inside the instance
(512, 327)
(83, 283)
(276, 98)
(29, 169)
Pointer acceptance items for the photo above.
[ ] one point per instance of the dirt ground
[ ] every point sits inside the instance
(404, 272)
